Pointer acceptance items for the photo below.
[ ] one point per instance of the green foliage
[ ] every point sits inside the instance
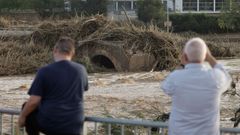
(150, 10)
(200, 23)
(90, 7)
(78, 5)
(10, 4)
(96, 6)
(230, 17)
(26, 4)
(31, 4)
(47, 4)
(86, 62)
(48, 7)
(205, 23)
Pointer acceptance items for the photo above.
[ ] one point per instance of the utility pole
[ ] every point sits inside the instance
(167, 23)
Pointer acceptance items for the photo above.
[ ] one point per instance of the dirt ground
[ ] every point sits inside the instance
(119, 95)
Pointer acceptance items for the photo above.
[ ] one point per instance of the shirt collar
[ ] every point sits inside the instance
(194, 65)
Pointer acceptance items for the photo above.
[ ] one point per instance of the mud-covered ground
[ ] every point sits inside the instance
(119, 95)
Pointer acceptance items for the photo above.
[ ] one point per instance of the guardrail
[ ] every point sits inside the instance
(122, 123)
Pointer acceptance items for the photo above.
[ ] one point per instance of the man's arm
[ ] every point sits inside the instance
(210, 59)
(30, 106)
(224, 77)
(168, 85)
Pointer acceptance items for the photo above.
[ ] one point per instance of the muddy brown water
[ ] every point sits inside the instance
(120, 95)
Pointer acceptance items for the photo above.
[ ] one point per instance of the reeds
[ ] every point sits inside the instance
(4, 23)
(17, 59)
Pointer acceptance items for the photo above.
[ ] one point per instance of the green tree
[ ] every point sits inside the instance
(47, 4)
(96, 6)
(26, 4)
(31, 4)
(78, 5)
(150, 10)
(230, 16)
(90, 7)
(46, 7)
(10, 4)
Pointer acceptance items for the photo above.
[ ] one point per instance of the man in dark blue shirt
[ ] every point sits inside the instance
(57, 95)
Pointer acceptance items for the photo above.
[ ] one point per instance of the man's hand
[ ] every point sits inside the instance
(210, 59)
(208, 55)
(21, 121)
(29, 107)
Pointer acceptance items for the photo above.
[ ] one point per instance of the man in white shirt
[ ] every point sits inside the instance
(196, 91)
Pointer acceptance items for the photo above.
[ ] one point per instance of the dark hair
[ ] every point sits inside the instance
(65, 45)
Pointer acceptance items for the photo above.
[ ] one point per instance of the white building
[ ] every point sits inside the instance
(200, 6)
(116, 7)
(67, 5)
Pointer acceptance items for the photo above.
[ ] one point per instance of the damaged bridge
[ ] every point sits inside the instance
(113, 56)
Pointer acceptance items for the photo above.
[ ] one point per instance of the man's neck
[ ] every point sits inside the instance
(62, 58)
(196, 62)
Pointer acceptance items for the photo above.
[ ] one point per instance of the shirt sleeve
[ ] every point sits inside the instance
(36, 88)
(223, 77)
(168, 85)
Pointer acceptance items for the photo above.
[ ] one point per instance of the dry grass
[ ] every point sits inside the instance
(4, 23)
(22, 59)
(221, 45)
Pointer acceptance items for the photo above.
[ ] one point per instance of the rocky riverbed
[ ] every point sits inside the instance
(120, 95)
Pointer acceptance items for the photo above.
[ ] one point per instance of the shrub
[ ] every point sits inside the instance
(200, 23)
(48, 8)
(150, 10)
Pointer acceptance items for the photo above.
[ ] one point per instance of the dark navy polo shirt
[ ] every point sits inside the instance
(61, 86)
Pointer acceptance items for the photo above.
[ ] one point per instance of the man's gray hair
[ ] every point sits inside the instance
(196, 50)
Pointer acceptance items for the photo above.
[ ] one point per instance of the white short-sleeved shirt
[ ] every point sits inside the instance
(195, 93)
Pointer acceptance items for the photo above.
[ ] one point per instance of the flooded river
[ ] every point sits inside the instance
(120, 95)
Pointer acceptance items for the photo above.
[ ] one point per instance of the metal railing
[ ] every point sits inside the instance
(143, 126)
(123, 125)
(13, 130)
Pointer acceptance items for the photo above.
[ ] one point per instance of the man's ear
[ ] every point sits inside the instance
(185, 57)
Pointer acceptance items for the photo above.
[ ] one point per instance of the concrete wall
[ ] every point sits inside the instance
(113, 52)
(141, 62)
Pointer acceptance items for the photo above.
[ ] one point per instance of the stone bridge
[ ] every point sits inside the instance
(112, 55)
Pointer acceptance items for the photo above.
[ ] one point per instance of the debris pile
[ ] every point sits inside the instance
(17, 59)
(4, 23)
(97, 28)
(24, 54)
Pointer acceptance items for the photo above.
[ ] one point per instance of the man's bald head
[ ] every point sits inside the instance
(196, 50)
